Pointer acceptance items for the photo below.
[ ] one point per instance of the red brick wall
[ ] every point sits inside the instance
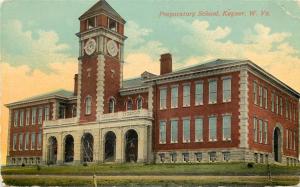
(27, 128)
(88, 86)
(204, 110)
(271, 117)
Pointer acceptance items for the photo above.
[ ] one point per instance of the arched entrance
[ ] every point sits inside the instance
(110, 147)
(131, 146)
(52, 150)
(69, 149)
(87, 145)
(277, 145)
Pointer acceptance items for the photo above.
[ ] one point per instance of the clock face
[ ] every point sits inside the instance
(90, 46)
(112, 48)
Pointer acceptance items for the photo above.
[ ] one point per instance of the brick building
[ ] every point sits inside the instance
(219, 111)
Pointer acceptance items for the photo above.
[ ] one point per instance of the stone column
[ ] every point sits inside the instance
(142, 144)
(100, 146)
(59, 149)
(96, 147)
(119, 146)
(243, 110)
(77, 147)
(44, 149)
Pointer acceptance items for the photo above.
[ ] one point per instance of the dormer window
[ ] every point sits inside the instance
(112, 24)
(91, 23)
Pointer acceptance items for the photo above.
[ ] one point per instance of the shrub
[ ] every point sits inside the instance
(250, 165)
(38, 167)
(23, 165)
(84, 164)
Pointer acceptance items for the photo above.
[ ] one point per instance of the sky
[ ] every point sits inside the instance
(39, 48)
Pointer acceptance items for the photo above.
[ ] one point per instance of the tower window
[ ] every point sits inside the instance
(129, 104)
(88, 105)
(111, 105)
(112, 24)
(91, 23)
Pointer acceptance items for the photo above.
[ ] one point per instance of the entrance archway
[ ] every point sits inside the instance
(110, 147)
(87, 145)
(52, 150)
(277, 145)
(131, 146)
(69, 149)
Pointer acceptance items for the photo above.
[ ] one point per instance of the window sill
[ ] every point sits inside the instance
(174, 107)
(211, 103)
(198, 104)
(214, 140)
(199, 141)
(162, 108)
(226, 101)
(162, 142)
(174, 142)
(186, 142)
(185, 106)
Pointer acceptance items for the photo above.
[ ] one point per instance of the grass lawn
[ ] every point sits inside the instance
(156, 169)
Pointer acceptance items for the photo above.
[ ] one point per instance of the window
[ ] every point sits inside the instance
(260, 131)
(174, 97)
(266, 132)
(139, 103)
(27, 143)
(112, 24)
(286, 108)
(74, 111)
(39, 140)
(281, 106)
(266, 98)
(199, 93)
(212, 91)
(198, 157)
(255, 129)
(294, 141)
(226, 156)
(88, 105)
(163, 98)
(91, 22)
(198, 129)
(27, 116)
(16, 118)
(186, 157)
(186, 95)
(20, 141)
(226, 127)
(255, 157)
(212, 156)
(261, 156)
(255, 92)
(212, 128)
(129, 104)
(40, 115)
(62, 111)
(21, 117)
(290, 116)
(15, 142)
(277, 104)
(162, 157)
(162, 132)
(32, 141)
(173, 157)
(47, 113)
(267, 158)
(273, 102)
(174, 131)
(260, 96)
(226, 89)
(186, 130)
(111, 105)
(33, 116)
(291, 139)
(287, 138)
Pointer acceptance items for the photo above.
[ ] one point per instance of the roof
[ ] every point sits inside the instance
(54, 94)
(131, 83)
(101, 7)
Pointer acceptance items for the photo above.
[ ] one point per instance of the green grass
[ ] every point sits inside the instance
(51, 181)
(156, 169)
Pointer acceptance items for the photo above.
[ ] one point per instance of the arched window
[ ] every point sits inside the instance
(112, 105)
(139, 103)
(129, 104)
(88, 105)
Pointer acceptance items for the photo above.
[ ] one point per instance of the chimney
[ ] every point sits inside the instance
(165, 63)
(75, 84)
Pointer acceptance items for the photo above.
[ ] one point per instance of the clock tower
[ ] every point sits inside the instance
(100, 68)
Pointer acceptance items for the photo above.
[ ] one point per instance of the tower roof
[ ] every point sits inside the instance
(102, 7)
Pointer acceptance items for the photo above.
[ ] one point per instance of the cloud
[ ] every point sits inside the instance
(37, 49)
(141, 54)
(268, 49)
